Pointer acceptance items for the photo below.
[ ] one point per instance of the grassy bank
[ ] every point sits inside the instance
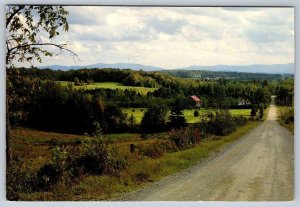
(142, 171)
(286, 117)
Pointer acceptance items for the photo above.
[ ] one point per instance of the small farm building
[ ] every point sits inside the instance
(244, 102)
(197, 100)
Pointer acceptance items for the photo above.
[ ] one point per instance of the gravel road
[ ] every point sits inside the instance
(257, 167)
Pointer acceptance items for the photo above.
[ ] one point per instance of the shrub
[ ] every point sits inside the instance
(176, 117)
(261, 112)
(240, 120)
(94, 159)
(141, 177)
(96, 129)
(253, 112)
(154, 150)
(47, 176)
(17, 180)
(97, 159)
(169, 146)
(54, 171)
(154, 119)
(77, 81)
(177, 136)
(223, 124)
(185, 138)
(287, 114)
(196, 135)
(196, 113)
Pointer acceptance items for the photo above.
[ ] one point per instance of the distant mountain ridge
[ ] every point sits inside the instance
(132, 66)
(258, 68)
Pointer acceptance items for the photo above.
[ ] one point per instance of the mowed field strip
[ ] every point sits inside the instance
(138, 113)
(110, 85)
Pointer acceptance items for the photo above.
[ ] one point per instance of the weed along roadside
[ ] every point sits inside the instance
(150, 169)
(286, 117)
(124, 170)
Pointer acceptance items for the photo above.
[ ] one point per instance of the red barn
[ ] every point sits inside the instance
(197, 100)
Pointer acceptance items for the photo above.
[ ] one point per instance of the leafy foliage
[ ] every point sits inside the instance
(185, 138)
(154, 118)
(24, 25)
(176, 117)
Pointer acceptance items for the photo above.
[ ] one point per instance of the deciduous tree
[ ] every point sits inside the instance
(24, 26)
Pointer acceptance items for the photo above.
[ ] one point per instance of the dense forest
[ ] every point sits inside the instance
(37, 99)
(206, 75)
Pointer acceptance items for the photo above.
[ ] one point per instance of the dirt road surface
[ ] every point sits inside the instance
(258, 167)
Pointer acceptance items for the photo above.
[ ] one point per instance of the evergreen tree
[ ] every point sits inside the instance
(253, 112)
(176, 117)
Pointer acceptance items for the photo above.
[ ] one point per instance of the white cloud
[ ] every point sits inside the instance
(179, 36)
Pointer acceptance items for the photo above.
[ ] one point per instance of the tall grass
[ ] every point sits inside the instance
(141, 171)
(286, 117)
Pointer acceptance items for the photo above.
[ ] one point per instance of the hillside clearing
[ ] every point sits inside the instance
(110, 85)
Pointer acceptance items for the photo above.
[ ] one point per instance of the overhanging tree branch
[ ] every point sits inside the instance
(8, 20)
(61, 47)
(23, 26)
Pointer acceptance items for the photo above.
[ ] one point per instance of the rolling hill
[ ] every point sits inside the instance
(259, 68)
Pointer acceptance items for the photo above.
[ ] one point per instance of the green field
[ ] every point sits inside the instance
(111, 85)
(188, 113)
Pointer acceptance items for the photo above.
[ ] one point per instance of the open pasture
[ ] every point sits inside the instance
(111, 85)
(138, 113)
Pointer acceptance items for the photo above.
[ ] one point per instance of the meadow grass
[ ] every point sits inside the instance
(139, 173)
(111, 85)
(33, 148)
(283, 112)
(138, 113)
(109, 187)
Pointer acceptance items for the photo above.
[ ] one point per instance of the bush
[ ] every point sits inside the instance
(176, 117)
(18, 181)
(240, 120)
(55, 171)
(47, 176)
(154, 119)
(196, 113)
(153, 150)
(169, 146)
(185, 138)
(63, 169)
(287, 114)
(141, 177)
(224, 123)
(253, 111)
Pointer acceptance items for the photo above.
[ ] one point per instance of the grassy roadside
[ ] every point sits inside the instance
(289, 126)
(284, 115)
(140, 173)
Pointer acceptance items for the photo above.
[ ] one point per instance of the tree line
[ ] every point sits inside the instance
(36, 99)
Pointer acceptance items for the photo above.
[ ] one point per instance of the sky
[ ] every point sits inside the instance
(176, 37)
